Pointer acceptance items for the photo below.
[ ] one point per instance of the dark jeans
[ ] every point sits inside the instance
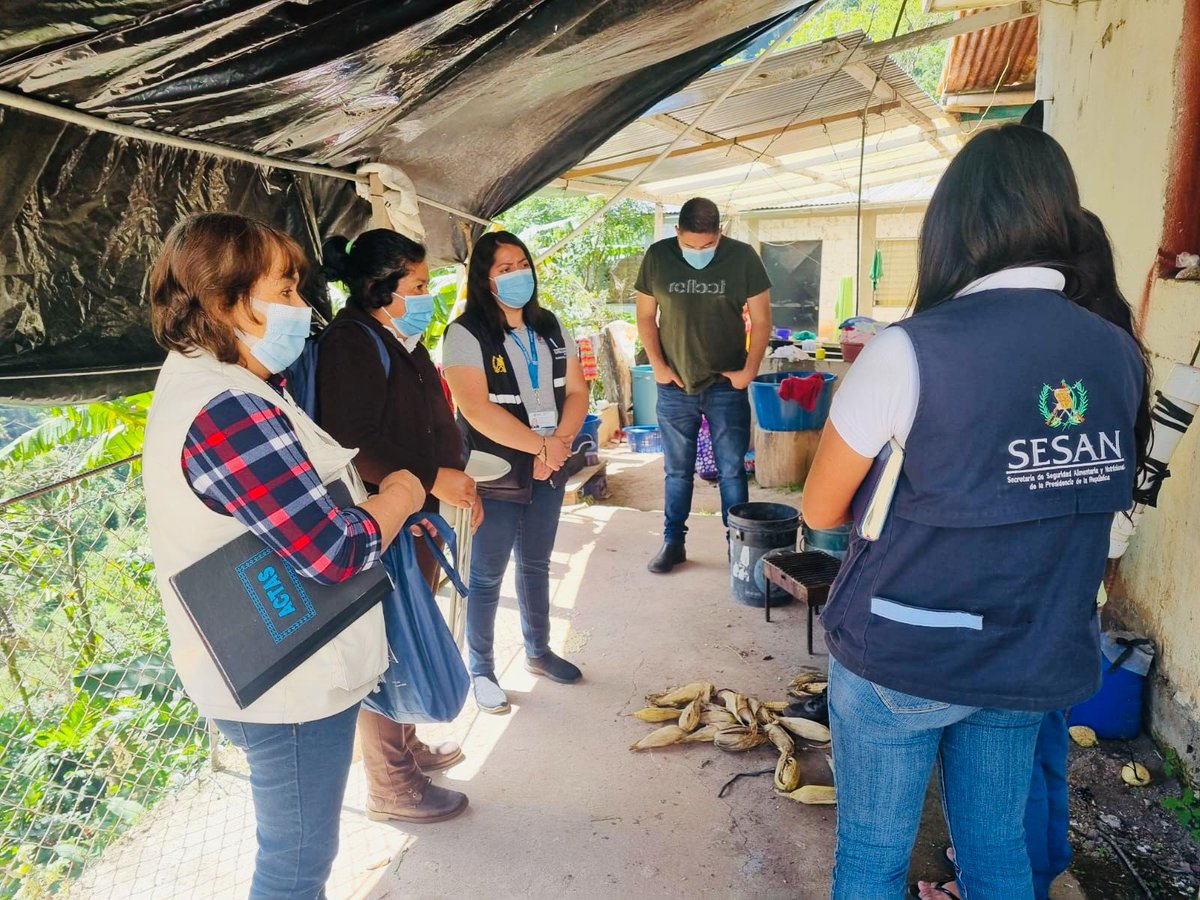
(298, 779)
(1047, 817)
(728, 413)
(528, 529)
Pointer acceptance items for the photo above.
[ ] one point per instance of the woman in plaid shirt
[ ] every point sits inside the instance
(227, 451)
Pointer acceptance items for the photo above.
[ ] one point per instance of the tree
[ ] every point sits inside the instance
(877, 18)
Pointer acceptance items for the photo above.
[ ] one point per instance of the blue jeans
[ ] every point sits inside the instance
(298, 779)
(728, 412)
(1047, 817)
(529, 529)
(885, 744)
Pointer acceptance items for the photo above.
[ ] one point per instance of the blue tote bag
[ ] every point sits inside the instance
(425, 680)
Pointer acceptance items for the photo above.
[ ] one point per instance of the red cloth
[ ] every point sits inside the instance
(802, 389)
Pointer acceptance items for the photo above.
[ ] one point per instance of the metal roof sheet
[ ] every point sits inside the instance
(996, 57)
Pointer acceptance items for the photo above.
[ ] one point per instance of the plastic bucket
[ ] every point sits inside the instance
(850, 351)
(643, 438)
(645, 396)
(1115, 711)
(775, 414)
(755, 528)
(834, 541)
(590, 429)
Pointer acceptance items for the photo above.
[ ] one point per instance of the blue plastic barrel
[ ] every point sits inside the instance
(834, 541)
(1115, 711)
(645, 396)
(755, 528)
(591, 429)
(776, 414)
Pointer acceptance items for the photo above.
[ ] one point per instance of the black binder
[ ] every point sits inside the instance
(259, 619)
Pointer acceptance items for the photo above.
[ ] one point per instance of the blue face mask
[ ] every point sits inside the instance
(418, 313)
(515, 289)
(698, 259)
(287, 330)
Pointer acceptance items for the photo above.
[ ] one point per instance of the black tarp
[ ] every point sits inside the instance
(480, 102)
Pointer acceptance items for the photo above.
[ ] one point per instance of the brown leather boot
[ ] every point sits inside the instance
(432, 758)
(396, 788)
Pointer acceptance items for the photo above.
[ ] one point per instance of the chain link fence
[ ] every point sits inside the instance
(94, 726)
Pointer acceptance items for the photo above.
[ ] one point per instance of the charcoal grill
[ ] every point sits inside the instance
(804, 575)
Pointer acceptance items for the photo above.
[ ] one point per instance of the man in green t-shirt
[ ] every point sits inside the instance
(690, 294)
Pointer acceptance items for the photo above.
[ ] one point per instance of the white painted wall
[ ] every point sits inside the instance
(1107, 71)
(838, 249)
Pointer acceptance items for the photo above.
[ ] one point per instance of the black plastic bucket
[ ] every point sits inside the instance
(755, 528)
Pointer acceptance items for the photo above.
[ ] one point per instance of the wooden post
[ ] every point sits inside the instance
(379, 213)
(658, 221)
(783, 458)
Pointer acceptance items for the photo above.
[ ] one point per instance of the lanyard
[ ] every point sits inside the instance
(531, 355)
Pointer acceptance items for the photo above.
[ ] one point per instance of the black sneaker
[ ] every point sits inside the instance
(667, 558)
(554, 667)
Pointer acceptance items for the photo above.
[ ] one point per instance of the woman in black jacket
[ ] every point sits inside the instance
(392, 413)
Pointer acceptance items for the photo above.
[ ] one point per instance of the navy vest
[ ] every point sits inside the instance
(504, 390)
(981, 590)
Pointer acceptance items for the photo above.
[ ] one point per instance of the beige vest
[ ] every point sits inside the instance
(183, 530)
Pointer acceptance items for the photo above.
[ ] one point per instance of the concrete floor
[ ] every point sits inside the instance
(559, 806)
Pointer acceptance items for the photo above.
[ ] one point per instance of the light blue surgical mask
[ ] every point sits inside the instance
(698, 259)
(515, 288)
(288, 328)
(418, 313)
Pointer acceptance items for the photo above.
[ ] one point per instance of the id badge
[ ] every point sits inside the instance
(543, 419)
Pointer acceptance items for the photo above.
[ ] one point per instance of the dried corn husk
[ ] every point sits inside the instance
(717, 715)
(660, 737)
(814, 794)
(776, 706)
(682, 696)
(738, 737)
(704, 734)
(689, 719)
(1083, 736)
(739, 705)
(806, 728)
(657, 714)
(766, 716)
(779, 736)
(787, 773)
(814, 688)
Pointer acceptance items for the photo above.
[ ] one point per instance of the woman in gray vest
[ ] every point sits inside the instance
(1018, 392)
(521, 396)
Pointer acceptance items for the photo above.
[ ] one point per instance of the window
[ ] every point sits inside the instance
(794, 268)
(899, 279)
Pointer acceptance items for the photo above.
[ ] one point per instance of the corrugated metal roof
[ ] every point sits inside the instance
(792, 143)
(996, 57)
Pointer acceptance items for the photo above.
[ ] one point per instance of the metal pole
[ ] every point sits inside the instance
(96, 123)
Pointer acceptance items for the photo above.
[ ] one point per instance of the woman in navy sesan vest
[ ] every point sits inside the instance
(521, 396)
(1019, 393)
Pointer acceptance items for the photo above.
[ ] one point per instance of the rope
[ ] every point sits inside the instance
(72, 479)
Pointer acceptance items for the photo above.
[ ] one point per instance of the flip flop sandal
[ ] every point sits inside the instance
(915, 890)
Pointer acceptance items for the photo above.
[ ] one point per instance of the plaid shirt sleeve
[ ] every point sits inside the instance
(243, 458)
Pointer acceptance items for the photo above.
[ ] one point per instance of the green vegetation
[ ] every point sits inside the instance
(597, 268)
(94, 727)
(877, 18)
(1186, 806)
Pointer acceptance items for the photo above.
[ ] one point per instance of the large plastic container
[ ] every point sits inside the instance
(1115, 711)
(591, 429)
(775, 414)
(644, 438)
(834, 541)
(645, 396)
(755, 528)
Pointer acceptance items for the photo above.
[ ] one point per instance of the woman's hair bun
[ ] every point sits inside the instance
(335, 258)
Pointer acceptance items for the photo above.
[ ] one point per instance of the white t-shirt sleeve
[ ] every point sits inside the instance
(877, 401)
